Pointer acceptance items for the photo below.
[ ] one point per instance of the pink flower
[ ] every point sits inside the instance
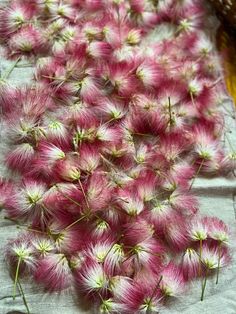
(53, 272)
(172, 283)
(149, 74)
(184, 202)
(92, 277)
(190, 264)
(28, 202)
(27, 42)
(21, 157)
(14, 17)
(216, 229)
(214, 257)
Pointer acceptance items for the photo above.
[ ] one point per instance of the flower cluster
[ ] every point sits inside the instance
(107, 140)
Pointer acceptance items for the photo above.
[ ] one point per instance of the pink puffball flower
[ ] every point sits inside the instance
(29, 202)
(53, 272)
(98, 191)
(176, 233)
(20, 251)
(43, 246)
(172, 283)
(68, 168)
(126, 293)
(149, 74)
(190, 264)
(14, 17)
(132, 205)
(214, 257)
(99, 49)
(198, 230)
(92, 277)
(89, 158)
(161, 213)
(148, 254)
(21, 157)
(217, 229)
(27, 42)
(184, 202)
(137, 231)
(205, 145)
(109, 253)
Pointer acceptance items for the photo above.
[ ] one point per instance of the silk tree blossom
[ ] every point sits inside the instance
(184, 202)
(109, 253)
(172, 283)
(55, 129)
(206, 147)
(161, 213)
(109, 306)
(14, 17)
(98, 191)
(99, 49)
(131, 204)
(21, 251)
(68, 168)
(21, 157)
(111, 110)
(127, 293)
(89, 158)
(6, 192)
(106, 134)
(43, 245)
(28, 41)
(176, 233)
(148, 254)
(47, 156)
(203, 46)
(190, 264)
(138, 231)
(198, 230)
(149, 74)
(195, 87)
(28, 202)
(92, 277)
(53, 272)
(213, 257)
(217, 229)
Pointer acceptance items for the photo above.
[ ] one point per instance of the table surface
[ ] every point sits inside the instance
(217, 197)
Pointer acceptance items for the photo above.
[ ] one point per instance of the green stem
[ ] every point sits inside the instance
(85, 197)
(75, 222)
(170, 114)
(155, 289)
(16, 277)
(192, 98)
(8, 73)
(67, 197)
(23, 297)
(218, 265)
(197, 173)
(204, 287)
(200, 258)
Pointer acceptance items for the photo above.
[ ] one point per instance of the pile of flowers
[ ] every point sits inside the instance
(104, 146)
